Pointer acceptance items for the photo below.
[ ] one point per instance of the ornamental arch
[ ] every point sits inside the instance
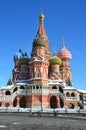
(15, 102)
(53, 102)
(7, 93)
(22, 102)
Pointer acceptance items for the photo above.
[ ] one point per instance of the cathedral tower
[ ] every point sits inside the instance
(41, 43)
(40, 55)
(65, 70)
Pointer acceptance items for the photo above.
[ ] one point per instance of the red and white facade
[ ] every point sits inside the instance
(42, 81)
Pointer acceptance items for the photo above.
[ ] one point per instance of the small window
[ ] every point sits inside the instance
(37, 87)
(80, 97)
(40, 87)
(22, 87)
(72, 94)
(7, 93)
(54, 87)
(38, 75)
(67, 94)
(33, 87)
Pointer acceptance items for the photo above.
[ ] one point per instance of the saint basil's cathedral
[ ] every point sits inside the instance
(42, 81)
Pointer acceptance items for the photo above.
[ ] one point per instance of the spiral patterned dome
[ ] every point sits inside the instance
(39, 41)
(64, 53)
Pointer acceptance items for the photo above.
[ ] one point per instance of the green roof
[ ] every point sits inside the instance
(55, 60)
(24, 61)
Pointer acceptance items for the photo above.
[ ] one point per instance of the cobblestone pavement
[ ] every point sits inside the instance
(21, 122)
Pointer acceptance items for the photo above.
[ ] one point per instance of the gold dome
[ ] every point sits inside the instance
(41, 16)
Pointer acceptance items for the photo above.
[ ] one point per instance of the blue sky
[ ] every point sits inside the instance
(63, 18)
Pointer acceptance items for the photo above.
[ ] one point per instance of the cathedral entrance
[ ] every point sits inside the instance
(53, 102)
(15, 102)
(23, 102)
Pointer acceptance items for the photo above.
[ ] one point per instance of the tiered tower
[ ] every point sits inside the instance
(41, 43)
(40, 56)
(65, 70)
(21, 69)
(38, 66)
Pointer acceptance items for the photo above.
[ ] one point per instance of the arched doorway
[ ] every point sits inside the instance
(23, 102)
(15, 102)
(53, 102)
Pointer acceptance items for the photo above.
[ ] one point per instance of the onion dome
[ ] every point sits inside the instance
(64, 53)
(21, 57)
(18, 55)
(55, 60)
(39, 41)
(24, 60)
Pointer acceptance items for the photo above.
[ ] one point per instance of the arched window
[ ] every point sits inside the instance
(67, 94)
(40, 87)
(15, 89)
(22, 87)
(38, 75)
(72, 94)
(54, 87)
(60, 89)
(33, 87)
(80, 97)
(37, 87)
(7, 93)
(7, 104)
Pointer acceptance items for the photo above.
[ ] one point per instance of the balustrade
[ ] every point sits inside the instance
(70, 98)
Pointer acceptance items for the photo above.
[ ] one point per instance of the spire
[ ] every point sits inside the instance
(55, 51)
(41, 30)
(63, 45)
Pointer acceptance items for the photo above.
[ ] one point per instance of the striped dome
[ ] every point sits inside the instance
(64, 53)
